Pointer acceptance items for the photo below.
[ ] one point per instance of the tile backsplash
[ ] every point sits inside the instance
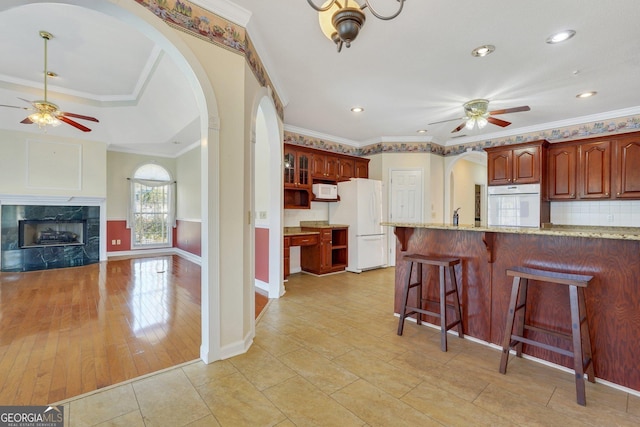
(617, 213)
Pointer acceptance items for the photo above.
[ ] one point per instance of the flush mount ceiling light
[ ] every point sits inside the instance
(561, 36)
(342, 20)
(357, 109)
(483, 50)
(422, 131)
(586, 94)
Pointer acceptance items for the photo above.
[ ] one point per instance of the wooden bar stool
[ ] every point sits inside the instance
(418, 310)
(579, 336)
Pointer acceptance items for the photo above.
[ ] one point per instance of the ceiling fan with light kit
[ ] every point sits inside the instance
(477, 115)
(47, 113)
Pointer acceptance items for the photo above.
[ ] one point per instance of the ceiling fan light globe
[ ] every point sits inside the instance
(470, 123)
(482, 122)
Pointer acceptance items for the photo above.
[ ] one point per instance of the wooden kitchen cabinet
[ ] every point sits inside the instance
(594, 170)
(324, 167)
(297, 178)
(304, 166)
(329, 255)
(562, 172)
(516, 164)
(286, 257)
(627, 167)
(361, 168)
(346, 169)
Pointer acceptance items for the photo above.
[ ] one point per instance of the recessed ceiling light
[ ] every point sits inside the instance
(52, 74)
(483, 50)
(586, 94)
(357, 109)
(422, 131)
(560, 36)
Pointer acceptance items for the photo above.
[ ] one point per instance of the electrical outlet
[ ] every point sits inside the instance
(113, 242)
(118, 242)
(263, 214)
(610, 218)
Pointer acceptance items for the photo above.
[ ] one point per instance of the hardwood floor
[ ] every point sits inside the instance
(69, 331)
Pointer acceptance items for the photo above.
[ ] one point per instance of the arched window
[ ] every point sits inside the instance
(152, 207)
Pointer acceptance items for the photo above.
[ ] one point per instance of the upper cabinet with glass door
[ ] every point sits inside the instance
(296, 168)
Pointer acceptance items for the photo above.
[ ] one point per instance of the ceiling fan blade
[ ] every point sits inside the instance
(26, 100)
(26, 121)
(444, 121)
(498, 122)
(459, 128)
(74, 124)
(78, 116)
(510, 110)
(14, 106)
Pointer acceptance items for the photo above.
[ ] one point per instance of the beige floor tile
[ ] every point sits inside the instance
(274, 342)
(450, 409)
(261, 368)
(382, 349)
(208, 421)
(169, 399)
(322, 343)
(305, 405)
(132, 419)
(200, 373)
(102, 406)
(378, 408)
(521, 410)
(417, 364)
(604, 405)
(379, 373)
(319, 371)
(234, 401)
(633, 405)
(286, 423)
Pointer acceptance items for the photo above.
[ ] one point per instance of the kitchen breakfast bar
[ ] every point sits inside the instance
(610, 255)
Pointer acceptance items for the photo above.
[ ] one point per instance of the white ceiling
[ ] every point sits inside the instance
(406, 73)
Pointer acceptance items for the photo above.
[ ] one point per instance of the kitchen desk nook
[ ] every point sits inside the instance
(610, 254)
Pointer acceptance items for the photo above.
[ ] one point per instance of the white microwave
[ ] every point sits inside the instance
(325, 191)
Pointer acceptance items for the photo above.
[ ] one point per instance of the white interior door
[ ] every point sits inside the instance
(405, 201)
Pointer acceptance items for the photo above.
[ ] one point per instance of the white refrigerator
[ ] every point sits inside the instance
(360, 207)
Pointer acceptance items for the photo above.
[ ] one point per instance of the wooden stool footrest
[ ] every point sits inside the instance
(515, 339)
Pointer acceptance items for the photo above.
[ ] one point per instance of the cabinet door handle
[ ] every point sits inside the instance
(606, 194)
(618, 194)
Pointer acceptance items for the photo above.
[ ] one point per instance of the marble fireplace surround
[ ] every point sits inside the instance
(16, 208)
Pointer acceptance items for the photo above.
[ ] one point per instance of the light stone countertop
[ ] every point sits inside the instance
(618, 233)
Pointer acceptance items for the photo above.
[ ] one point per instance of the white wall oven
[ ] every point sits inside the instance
(514, 206)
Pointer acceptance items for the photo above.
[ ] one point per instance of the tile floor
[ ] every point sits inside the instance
(327, 354)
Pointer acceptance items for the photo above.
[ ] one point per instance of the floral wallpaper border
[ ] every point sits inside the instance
(613, 126)
(208, 26)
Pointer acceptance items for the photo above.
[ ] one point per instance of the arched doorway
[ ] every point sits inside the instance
(466, 186)
(170, 42)
(267, 138)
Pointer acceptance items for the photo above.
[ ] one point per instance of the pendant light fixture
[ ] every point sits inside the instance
(342, 20)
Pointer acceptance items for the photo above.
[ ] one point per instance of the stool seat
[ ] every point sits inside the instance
(418, 309)
(581, 342)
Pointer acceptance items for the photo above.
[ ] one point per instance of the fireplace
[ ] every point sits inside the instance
(40, 233)
(39, 237)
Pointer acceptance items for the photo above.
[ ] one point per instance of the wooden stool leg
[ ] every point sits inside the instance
(506, 340)
(443, 311)
(405, 297)
(586, 338)
(522, 312)
(578, 361)
(419, 293)
(456, 299)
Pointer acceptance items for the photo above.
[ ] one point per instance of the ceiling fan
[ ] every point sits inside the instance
(45, 112)
(476, 115)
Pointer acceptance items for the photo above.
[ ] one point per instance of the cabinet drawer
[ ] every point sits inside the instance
(308, 240)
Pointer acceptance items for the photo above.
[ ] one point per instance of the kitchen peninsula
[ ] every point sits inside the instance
(610, 254)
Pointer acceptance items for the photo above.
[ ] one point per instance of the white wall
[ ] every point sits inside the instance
(262, 177)
(121, 166)
(188, 173)
(38, 163)
(465, 176)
